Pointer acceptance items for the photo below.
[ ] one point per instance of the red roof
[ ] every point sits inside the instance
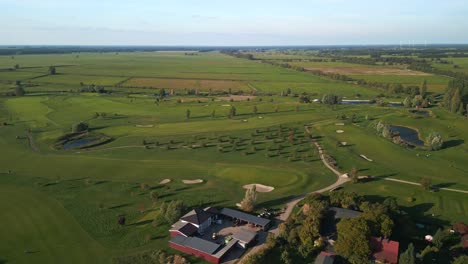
(465, 241)
(385, 250)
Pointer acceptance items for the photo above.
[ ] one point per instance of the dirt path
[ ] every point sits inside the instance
(418, 184)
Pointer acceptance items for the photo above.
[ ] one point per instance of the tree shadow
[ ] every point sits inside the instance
(383, 176)
(141, 223)
(453, 143)
(443, 185)
(120, 206)
(276, 202)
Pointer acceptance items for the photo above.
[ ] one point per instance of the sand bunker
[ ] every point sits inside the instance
(339, 131)
(343, 143)
(259, 187)
(364, 157)
(192, 181)
(225, 105)
(165, 181)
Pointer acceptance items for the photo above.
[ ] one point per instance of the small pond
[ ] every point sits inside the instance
(420, 112)
(408, 135)
(79, 143)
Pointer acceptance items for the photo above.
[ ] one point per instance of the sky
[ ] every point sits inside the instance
(232, 23)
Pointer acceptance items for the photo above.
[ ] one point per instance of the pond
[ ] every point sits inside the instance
(408, 135)
(79, 143)
(420, 112)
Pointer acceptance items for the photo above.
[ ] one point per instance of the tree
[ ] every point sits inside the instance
(80, 127)
(173, 211)
(424, 89)
(17, 66)
(461, 260)
(407, 102)
(187, 114)
(19, 91)
(162, 93)
(154, 196)
(52, 70)
(439, 238)
(408, 257)
(285, 257)
(456, 101)
(426, 183)
(435, 141)
(353, 240)
(331, 99)
(121, 220)
(232, 112)
(354, 175)
(255, 109)
(250, 199)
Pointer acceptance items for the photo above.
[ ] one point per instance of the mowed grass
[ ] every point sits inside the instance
(38, 224)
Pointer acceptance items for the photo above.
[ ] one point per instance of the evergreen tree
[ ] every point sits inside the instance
(408, 257)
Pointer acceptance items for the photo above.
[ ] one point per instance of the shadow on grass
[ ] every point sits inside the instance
(453, 143)
(276, 202)
(120, 206)
(443, 185)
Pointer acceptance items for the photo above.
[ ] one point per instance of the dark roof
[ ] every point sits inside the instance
(344, 213)
(196, 216)
(187, 229)
(324, 259)
(195, 243)
(385, 250)
(245, 217)
(245, 236)
(211, 210)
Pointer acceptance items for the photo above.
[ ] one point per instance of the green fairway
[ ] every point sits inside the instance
(37, 229)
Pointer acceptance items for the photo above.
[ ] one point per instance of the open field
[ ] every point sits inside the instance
(363, 70)
(215, 85)
(65, 203)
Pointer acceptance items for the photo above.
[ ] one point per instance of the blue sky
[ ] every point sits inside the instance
(239, 22)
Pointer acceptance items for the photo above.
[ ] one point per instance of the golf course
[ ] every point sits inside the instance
(88, 137)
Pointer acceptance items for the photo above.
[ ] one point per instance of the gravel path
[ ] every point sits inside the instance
(418, 184)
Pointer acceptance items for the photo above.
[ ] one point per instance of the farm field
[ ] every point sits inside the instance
(168, 70)
(226, 140)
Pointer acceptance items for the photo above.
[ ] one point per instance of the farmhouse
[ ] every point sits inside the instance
(192, 233)
(384, 250)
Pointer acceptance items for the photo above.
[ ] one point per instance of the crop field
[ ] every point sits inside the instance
(64, 203)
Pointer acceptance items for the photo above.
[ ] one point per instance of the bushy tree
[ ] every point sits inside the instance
(435, 141)
(353, 240)
(331, 99)
(439, 238)
(80, 127)
(187, 114)
(19, 91)
(250, 199)
(174, 211)
(52, 70)
(426, 183)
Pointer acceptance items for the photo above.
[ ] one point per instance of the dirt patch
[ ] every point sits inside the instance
(165, 181)
(259, 187)
(237, 97)
(192, 181)
(377, 70)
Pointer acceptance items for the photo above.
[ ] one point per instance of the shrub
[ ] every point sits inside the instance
(80, 127)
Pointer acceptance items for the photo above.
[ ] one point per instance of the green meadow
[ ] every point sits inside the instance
(62, 205)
